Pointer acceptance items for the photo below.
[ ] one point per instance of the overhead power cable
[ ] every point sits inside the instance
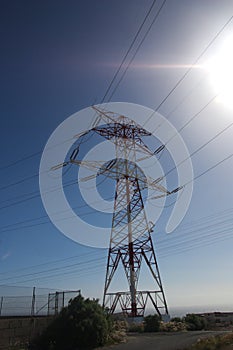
(37, 194)
(137, 50)
(21, 160)
(49, 221)
(161, 103)
(210, 168)
(200, 148)
(78, 264)
(193, 153)
(221, 236)
(128, 51)
(53, 262)
(189, 69)
(107, 90)
(199, 242)
(10, 229)
(77, 273)
(214, 165)
(194, 63)
(214, 230)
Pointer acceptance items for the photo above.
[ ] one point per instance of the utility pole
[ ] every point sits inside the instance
(1, 304)
(33, 301)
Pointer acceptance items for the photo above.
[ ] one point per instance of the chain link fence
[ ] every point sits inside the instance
(36, 304)
(23, 317)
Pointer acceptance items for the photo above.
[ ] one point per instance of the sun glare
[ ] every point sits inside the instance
(221, 73)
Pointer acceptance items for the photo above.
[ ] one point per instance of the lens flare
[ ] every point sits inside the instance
(221, 73)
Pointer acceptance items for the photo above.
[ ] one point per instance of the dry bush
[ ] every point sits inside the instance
(220, 342)
(173, 326)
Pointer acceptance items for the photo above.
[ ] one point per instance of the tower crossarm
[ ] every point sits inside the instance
(133, 134)
(109, 117)
(119, 126)
(112, 170)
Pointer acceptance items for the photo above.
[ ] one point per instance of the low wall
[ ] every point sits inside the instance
(18, 330)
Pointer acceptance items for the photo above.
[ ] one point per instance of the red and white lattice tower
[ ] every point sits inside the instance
(130, 241)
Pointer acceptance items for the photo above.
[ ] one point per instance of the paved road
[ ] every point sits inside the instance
(161, 341)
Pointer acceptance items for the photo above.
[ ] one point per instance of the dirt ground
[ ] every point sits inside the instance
(162, 341)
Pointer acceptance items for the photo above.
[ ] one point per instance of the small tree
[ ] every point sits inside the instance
(151, 323)
(83, 324)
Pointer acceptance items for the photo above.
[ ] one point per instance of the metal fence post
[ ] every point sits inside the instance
(1, 304)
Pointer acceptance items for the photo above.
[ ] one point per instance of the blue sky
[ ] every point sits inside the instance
(59, 57)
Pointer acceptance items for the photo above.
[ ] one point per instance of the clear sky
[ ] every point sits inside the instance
(58, 57)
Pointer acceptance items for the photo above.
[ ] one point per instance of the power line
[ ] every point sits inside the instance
(19, 181)
(37, 194)
(192, 118)
(52, 262)
(49, 221)
(78, 267)
(207, 218)
(189, 69)
(128, 51)
(196, 233)
(105, 94)
(80, 264)
(210, 168)
(168, 115)
(87, 271)
(8, 229)
(185, 125)
(31, 156)
(194, 63)
(138, 48)
(200, 245)
(21, 160)
(161, 103)
(78, 273)
(210, 239)
(186, 233)
(37, 174)
(200, 148)
(187, 237)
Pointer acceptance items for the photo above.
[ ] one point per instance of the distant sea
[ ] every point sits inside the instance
(182, 311)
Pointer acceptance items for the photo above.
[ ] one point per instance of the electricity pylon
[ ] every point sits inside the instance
(130, 241)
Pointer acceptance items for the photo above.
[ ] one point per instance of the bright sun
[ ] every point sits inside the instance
(221, 73)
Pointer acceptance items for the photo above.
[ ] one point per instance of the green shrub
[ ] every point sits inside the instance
(151, 323)
(136, 327)
(195, 322)
(176, 319)
(83, 324)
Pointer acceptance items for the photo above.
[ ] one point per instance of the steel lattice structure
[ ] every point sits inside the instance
(130, 242)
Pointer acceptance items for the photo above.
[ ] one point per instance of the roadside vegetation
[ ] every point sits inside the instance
(84, 324)
(152, 323)
(220, 342)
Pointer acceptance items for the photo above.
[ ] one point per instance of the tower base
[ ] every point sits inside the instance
(122, 301)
